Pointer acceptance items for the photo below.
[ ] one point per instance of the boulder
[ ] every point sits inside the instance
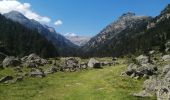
(142, 59)
(18, 69)
(11, 61)
(139, 71)
(36, 73)
(31, 65)
(163, 93)
(93, 63)
(71, 62)
(150, 85)
(166, 58)
(6, 79)
(166, 69)
(51, 70)
(33, 58)
(167, 77)
(83, 65)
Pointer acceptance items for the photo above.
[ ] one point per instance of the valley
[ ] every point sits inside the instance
(129, 59)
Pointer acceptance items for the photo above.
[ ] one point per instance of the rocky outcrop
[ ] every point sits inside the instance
(11, 61)
(141, 68)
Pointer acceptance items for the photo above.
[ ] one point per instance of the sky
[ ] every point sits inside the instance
(81, 17)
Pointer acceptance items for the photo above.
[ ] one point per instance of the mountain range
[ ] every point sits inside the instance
(78, 40)
(64, 45)
(130, 34)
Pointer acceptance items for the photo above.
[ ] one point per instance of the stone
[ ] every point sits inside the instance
(150, 85)
(33, 58)
(6, 79)
(152, 52)
(139, 71)
(166, 58)
(142, 94)
(163, 93)
(36, 73)
(51, 70)
(166, 69)
(31, 65)
(11, 61)
(142, 59)
(97, 65)
(71, 62)
(83, 66)
(93, 63)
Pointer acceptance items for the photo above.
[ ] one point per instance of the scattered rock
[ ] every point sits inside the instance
(33, 58)
(166, 69)
(6, 79)
(83, 66)
(139, 71)
(163, 93)
(166, 58)
(142, 59)
(36, 73)
(31, 65)
(71, 62)
(93, 63)
(150, 85)
(142, 94)
(11, 61)
(51, 70)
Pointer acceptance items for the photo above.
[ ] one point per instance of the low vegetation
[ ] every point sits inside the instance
(93, 84)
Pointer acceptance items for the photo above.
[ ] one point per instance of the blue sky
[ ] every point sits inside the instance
(89, 17)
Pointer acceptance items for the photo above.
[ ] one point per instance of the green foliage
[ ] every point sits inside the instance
(19, 41)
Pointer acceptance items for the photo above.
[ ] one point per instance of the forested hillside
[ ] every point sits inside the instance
(17, 40)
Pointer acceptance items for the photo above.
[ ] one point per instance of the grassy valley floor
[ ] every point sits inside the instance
(95, 84)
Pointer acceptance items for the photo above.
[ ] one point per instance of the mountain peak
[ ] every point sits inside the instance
(166, 10)
(127, 15)
(15, 14)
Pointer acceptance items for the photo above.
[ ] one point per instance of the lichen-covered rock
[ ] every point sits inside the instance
(143, 70)
(51, 70)
(93, 63)
(163, 93)
(36, 73)
(166, 57)
(166, 69)
(11, 61)
(142, 59)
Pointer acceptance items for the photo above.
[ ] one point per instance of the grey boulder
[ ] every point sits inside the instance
(11, 61)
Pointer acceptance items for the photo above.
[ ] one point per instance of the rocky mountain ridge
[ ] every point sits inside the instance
(57, 39)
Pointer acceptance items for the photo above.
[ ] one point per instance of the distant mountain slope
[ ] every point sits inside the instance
(131, 34)
(18, 40)
(78, 40)
(112, 38)
(64, 45)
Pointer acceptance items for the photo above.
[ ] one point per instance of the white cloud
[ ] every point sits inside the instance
(24, 8)
(58, 22)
